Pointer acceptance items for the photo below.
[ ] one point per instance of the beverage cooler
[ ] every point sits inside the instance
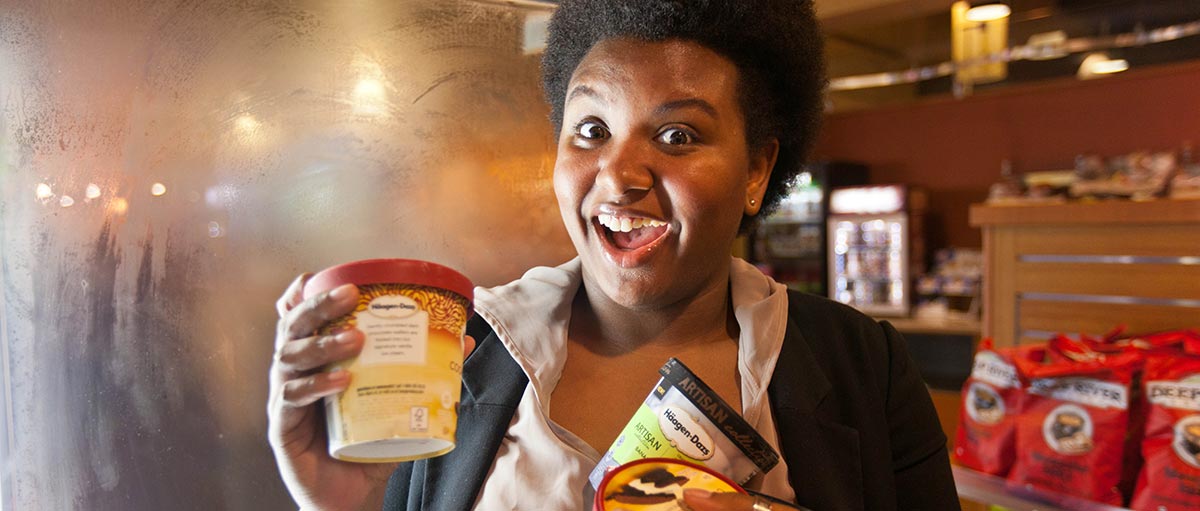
(790, 245)
(875, 246)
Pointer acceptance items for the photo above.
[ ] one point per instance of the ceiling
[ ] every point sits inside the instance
(875, 36)
(872, 36)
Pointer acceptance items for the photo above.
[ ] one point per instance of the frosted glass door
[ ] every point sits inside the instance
(168, 166)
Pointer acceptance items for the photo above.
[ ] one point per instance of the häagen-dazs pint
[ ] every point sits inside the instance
(404, 388)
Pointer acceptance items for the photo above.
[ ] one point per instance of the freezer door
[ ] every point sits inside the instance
(868, 263)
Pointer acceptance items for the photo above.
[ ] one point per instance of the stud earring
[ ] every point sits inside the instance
(753, 202)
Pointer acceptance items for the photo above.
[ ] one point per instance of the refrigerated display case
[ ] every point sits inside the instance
(875, 247)
(790, 245)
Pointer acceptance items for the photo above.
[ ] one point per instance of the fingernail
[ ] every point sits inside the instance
(697, 493)
(344, 337)
(338, 374)
(341, 291)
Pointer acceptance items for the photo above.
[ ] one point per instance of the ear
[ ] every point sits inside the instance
(762, 163)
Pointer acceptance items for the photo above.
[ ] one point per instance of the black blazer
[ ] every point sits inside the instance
(856, 423)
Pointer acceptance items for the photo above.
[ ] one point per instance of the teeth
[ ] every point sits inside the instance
(626, 224)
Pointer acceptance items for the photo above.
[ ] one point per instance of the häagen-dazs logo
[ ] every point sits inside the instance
(392, 307)
(1187, 440)
(1068, 430)
(984, 404)
(684, 433)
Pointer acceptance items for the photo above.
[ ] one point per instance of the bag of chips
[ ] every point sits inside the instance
(990, 401)
(1071, 431)
(1170, 476)
(1158, 342)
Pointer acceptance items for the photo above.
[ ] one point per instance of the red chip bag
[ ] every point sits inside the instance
(1170, 476)
(1063, 348)
(990, 401)
(1072, 427)
(1174, 341)
(1090, 349)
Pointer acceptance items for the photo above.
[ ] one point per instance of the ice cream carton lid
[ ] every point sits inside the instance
(391, 271)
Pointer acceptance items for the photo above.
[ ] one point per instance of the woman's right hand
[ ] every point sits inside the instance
(316, 480)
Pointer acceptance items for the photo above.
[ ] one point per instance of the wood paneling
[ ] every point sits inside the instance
(1160, 233)
(1135, 280)
(1117, 212)
(1098, 318)
(1135, 240)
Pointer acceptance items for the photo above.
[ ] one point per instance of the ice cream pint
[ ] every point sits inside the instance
(684, 419)
(404, 387)
(656, 484)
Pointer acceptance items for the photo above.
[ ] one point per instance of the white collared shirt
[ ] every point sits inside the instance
(539, 459)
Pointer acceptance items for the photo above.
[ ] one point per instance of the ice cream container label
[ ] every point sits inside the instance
(405, 384)
(656, 484)
(398, 329)
(684, 419)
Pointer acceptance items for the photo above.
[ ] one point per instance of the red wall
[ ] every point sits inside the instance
(953, 148)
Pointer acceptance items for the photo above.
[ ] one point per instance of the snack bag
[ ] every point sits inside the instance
(1064, 349)
(990, 401)
(1111, 345)
(1170, 476)
(1072, 426)
(1169, 342)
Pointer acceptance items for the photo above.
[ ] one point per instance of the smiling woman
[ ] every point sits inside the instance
(678, 124)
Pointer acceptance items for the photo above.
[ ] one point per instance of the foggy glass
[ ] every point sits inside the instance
(167, 167)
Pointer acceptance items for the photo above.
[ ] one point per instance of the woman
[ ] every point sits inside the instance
(678, 124)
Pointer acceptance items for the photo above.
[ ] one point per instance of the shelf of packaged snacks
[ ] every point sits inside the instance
(1088, 212)
(989, 489)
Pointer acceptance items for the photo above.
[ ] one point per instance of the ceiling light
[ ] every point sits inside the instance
(988, 11)
(1047, 45)
(1098, 63)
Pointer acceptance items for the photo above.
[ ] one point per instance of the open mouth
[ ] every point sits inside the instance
(631, 233)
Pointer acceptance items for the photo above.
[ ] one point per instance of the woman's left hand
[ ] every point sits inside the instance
(701, 500)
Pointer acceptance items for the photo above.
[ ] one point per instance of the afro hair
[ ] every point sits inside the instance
(775, 44)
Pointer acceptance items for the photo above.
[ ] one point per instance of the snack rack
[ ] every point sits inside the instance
(1081, 267)
(1087, 267)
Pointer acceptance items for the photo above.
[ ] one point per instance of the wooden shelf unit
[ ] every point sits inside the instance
(1088, 267)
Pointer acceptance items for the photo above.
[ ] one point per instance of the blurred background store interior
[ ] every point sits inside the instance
(167, 167)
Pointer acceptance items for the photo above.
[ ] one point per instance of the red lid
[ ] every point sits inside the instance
(598, 501)
(390, 271)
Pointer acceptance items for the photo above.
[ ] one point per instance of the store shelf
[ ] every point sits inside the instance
(1085, 267)
(988, 489)
(1089, 212)
(872, 248)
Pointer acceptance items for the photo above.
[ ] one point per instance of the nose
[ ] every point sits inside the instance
(625, 169)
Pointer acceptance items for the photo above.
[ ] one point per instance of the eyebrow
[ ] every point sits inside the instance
(678, 104)
(687, 103)
(583, 91)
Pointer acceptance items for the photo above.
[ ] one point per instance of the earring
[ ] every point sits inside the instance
(753, 202)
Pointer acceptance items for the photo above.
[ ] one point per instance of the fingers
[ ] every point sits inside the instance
(293, 295)
(468, 345)
(303, 319)
(301, 392)
(311, 353)
(289, 414)
(702, 500)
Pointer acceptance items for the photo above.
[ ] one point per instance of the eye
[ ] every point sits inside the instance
(676, 136)
(591, 130)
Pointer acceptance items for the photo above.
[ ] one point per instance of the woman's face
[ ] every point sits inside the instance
(653, 172)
